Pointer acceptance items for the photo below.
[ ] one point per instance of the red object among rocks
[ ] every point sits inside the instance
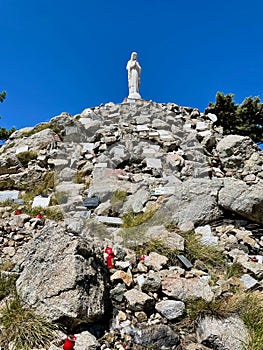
(110, 257)
(69, 342)
(254, 259)
(18, 212)
(39, 216)
(108, 250)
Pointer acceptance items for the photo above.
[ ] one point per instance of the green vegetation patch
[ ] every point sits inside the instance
(49, 213)
(40, 127)
(117, 199)
(245, 119)
(44, 187)
(4, 133)
(23, 328)
(234, 270)
(251, 310)
(6, 265)
(157, 246)
(7, 285)
(197, 308)
(211, 256)
(249, 306)
(132, 219)
(26, 157)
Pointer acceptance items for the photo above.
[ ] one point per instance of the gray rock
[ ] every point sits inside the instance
(92, 127)
(186, 227)
(242, 199)
(171, 240)
(155, 261)
(170, 309)
(136, 202)
(207, 238)
(250, 178)
(86, 341)
(230, 333)
(117, 293)
(9, 251)
(234, 150)
(196, 201)
(110, 220)
(182, 288)
(68, 278)
(152, 283)
(9, 165)
(159, 124)
(40, 140)
(138, 301)
(68, 190)
(212, 117)
(254, 163)
(42, 202)
(157, 336)
(67, 174)
(74, 226)
(21, 149)
(153, 163)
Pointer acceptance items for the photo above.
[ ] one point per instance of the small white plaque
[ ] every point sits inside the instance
(8, 195)
(110, 220)
(154, 163)
(21, 149)
(42, 202)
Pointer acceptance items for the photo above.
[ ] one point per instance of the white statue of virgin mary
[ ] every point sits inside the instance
(134, 71)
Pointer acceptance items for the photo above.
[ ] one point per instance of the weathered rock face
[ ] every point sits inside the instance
(9, 165)
(147, 150)
(171, 309)
(63, 277)
(242, 199)
(183, 289)
(196, 201)
(156, 337)
(86, 341)
(229, 333)
(134, 158)
(138, 301)
(234, 149)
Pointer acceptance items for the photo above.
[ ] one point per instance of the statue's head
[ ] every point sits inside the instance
(134, 56)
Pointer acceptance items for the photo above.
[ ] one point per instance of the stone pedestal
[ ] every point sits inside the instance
(134, 96)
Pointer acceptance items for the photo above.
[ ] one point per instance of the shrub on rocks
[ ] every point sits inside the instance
(22, 328)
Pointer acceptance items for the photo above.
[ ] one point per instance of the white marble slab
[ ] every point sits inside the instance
(100, 165)
(21, 149)
(248, 281)
(153, 163)
(153, 133)
(85, 121)
(163, 191)
(142, 128)
(110, 220)
(8, 195)
(201, 126)
(212, 117)
(42, 202)
(86, 147)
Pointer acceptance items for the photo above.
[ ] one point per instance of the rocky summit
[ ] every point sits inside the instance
(134, 226)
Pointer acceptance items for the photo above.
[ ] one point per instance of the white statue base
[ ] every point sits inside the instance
(134, 96)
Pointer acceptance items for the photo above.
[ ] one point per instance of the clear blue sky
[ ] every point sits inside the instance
(63, 56)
